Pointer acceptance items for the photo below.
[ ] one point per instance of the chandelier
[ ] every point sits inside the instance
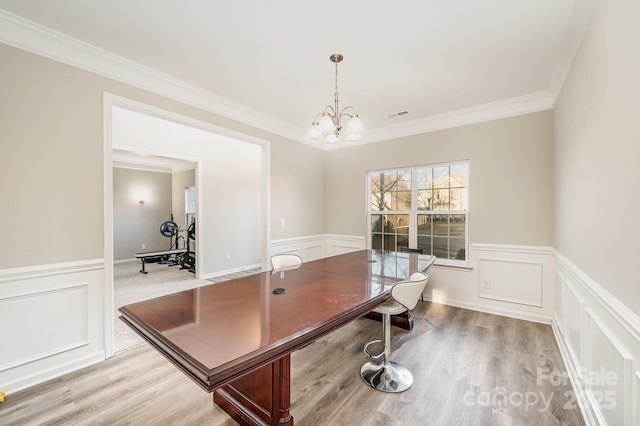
(327, 124)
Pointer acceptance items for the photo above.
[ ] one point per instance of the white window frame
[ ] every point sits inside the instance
(414, 212)
(187, 203)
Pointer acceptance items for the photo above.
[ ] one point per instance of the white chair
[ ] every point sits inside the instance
(380, 372)
(285, 262)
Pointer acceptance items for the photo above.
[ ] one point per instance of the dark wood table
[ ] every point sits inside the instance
(235, 338)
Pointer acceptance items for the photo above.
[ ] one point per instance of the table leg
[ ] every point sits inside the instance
(261, 397)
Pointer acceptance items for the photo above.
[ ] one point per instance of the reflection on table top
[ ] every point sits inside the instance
(216, 332)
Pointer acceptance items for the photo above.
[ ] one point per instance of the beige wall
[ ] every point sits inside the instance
(597, 147)
(297, 190)
(51, 161)
(134, 223)
(511, 177)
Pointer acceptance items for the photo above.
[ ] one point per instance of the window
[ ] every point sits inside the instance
(391, 194)
(422, 208)
(189, 204)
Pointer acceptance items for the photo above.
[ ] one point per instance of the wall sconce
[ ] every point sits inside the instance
(140, 194)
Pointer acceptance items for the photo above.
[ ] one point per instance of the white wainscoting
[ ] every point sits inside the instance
(520, 277)
(497, 281)
(341, 244)
(317, 246)
(507, 280)
(599, 338)
(308, 248)
(53, 316)
(52, 320)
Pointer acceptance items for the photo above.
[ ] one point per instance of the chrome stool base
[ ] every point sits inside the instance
(391, 377)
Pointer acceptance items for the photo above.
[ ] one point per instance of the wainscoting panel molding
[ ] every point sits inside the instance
(318, 246)
(508, 280)
(308, 248)
(607, 387)
(66, 324)
(341, 244)
(571, 315)
(599, 338)
(497, 281)
(635, 401)
(53, 321)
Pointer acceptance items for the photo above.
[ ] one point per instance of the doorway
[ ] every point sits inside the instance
(154, 200)
(231, 232)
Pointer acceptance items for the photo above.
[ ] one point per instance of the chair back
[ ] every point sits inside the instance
(407, 293)
(285, 262)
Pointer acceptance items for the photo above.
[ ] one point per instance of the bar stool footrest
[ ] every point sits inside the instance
(369, 354)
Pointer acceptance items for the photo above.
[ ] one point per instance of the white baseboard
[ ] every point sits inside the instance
(57, 370)
(503, 312)
(118, 262)
(231, 271)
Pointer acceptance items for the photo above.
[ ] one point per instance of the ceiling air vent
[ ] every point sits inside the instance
(397, 114)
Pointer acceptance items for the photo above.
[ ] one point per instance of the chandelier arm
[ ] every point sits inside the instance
(329, 110)
(344, 112)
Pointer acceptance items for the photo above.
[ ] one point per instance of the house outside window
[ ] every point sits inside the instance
(423, 208)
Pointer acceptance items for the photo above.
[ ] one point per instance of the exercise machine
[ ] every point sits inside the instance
(189, 258)
(170, 230)
(170, 257)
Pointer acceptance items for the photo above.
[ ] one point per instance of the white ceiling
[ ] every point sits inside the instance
(267, 62)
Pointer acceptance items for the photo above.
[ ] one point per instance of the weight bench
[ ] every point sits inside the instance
(154, 254)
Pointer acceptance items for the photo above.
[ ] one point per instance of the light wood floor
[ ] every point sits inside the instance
(470, 368)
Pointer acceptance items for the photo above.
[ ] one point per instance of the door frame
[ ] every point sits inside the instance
(110, 101)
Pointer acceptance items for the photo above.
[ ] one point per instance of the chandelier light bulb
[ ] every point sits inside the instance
(326, 125)
(315, 132)
(355, 125)
(331, 139)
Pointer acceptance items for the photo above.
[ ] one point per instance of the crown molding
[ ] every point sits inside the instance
(43, 41)
(490, 111)
(35, 38)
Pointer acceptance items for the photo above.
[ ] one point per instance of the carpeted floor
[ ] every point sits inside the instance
(131, 286)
